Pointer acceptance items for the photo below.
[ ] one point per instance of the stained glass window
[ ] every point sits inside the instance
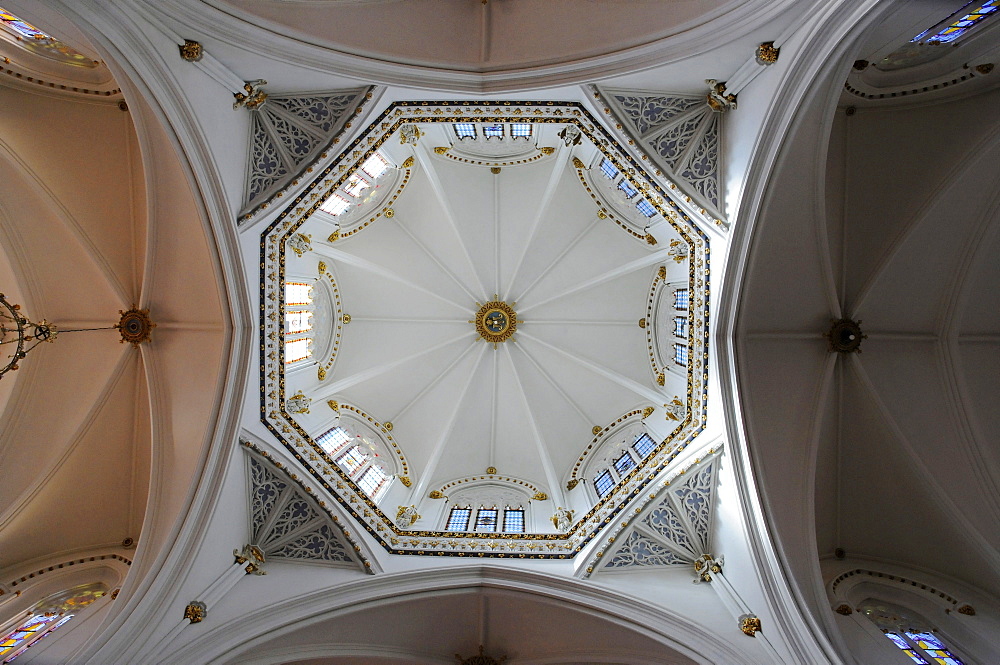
(352, 460)
(644, 445)
(681, 326)
(627, 187)
(681, 354)
(372, 480)
(624, 463)
(355, 185)
(27, 631)
(465, 130)
(297, 293)
(335, 205)
(333, 439)
(603, 483)
(47, 616)
(297, 321)
(21, 27)
(520, 129)
(681, 299)
(458, 520)
(513, 520)
(493, 131)
(608, 169)
(486, 519)
(645, 207)
(927, 641)
(375, 165)
(956, 29)
(906, 648)
(297, 349)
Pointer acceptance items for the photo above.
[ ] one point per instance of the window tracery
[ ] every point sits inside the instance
(298, 325)
(487, 519)
(47, 616)
(911, 633)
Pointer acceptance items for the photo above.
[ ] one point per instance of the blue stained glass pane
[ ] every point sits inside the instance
(627, 187)
(609, 169)
(21, 26)
(465, 130)
(905, 646)
(486, 519)
(955, 30)
(623, 464)
(925, 640)
(681, 299)
(681, 354)
(493, 131)
(644, 445)
(603, 483)
(681, 326)
(513, 520)
(458, 520)
(352, 460)
(521, 129)
(646, 208)
(372, 480)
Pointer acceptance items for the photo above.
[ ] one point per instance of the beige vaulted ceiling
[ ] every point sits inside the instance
(475, 35)
(89, 422)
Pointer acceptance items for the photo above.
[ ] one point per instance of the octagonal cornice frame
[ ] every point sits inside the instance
(292, 436)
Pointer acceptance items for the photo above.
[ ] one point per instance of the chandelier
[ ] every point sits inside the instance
(23, 334)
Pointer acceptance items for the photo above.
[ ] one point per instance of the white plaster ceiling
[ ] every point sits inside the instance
(411, 283)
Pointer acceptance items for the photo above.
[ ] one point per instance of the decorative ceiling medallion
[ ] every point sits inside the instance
(495, 321)
(845, 336)
(135, 326)
(481, 659)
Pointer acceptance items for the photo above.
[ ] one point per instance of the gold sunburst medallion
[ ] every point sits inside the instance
(495, 321)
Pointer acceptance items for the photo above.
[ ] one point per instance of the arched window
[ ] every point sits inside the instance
(360, 187)
(298, 325)
(357, 455)
(642, 444)
(487, 519)
(627, 191)
(958, 24)
(46, 617)
(911, 633)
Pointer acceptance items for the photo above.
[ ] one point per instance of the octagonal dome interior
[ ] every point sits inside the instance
(571, 388)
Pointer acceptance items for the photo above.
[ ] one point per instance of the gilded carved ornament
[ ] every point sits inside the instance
(195, 612)
(253, 557)
(254, 96)
(767, 54)
(844, 609)
(135, 326)
(191, 50)
(540, 496)
(717, 99)
(749, 624)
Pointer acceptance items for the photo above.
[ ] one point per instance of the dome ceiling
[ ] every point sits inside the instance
(492, 318)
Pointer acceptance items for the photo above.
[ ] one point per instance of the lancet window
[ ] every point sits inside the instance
(628, 190)
(298, 321)
(359, 187)
(487, 519)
